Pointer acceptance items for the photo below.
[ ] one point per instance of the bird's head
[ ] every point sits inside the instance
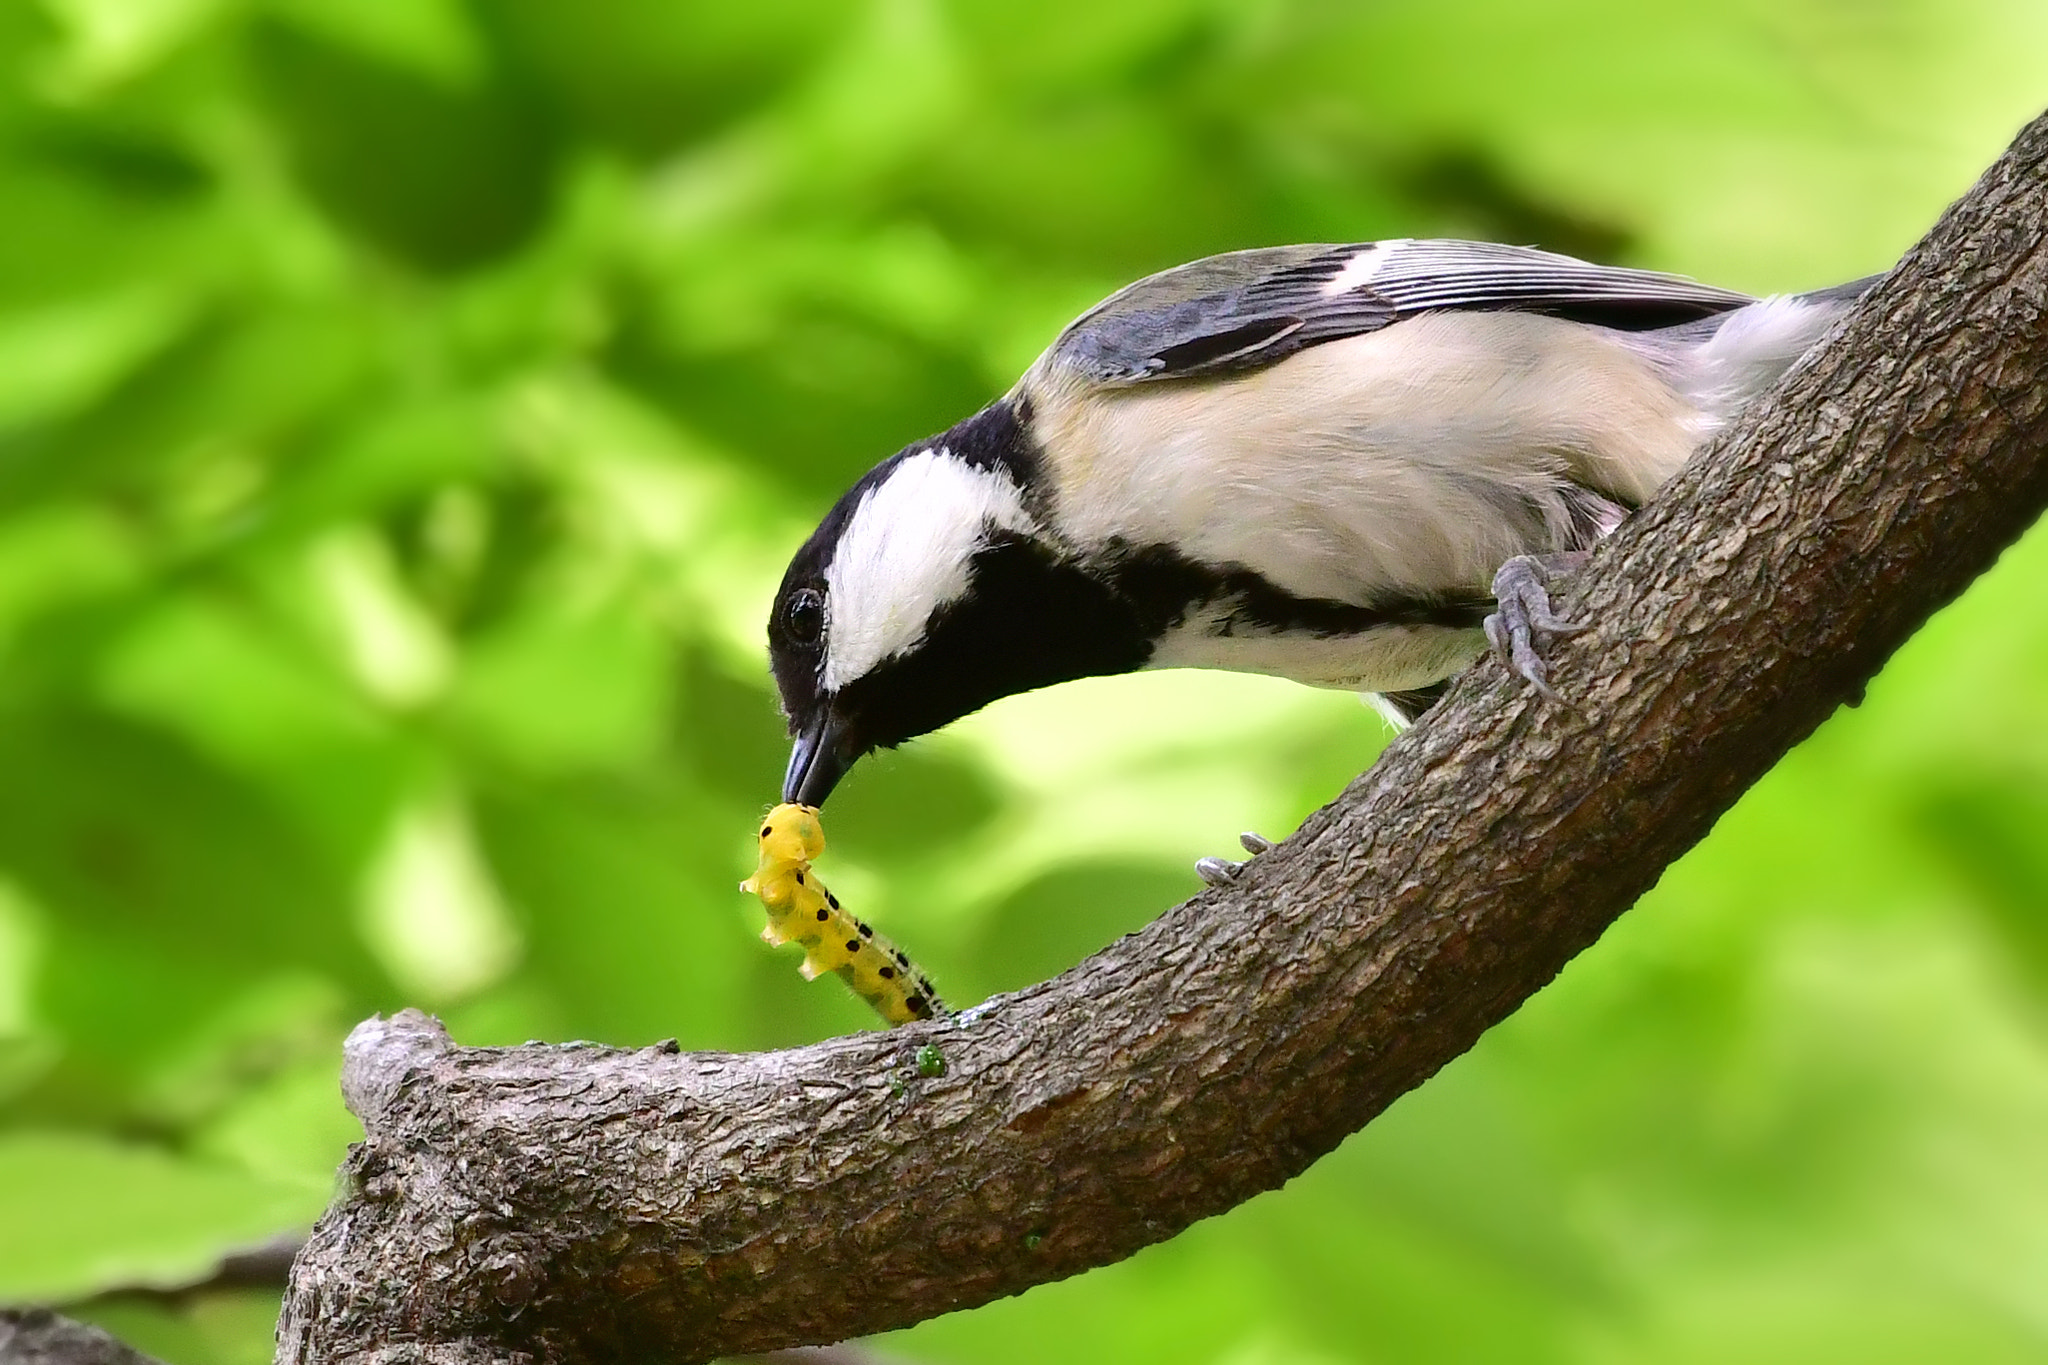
(931, 589)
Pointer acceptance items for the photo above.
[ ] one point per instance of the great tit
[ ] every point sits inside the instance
(1329, 463)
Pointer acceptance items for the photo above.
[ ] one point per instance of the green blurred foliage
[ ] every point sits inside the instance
(406, 407)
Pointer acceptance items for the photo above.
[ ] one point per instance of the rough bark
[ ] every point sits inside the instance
(584, 1203)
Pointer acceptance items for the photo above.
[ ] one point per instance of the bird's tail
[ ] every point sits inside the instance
(1723, 362)
(1841, 294)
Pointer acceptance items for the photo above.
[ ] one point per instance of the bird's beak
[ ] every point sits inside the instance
(817, 760)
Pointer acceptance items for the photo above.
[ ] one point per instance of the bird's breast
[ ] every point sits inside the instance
(1416, 458)
(1386, 658)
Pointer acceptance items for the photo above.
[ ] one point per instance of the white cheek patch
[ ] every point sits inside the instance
(1365, 263)
(906, 552)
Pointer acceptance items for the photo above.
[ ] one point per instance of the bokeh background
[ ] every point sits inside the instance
(406, 407)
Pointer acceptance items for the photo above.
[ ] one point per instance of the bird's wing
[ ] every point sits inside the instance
(1248, 309)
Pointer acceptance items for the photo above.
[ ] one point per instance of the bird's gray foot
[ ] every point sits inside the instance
(1222, 871)
(1522, 592)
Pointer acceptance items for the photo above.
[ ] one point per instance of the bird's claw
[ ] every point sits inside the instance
(1522, 592)
(1222, 871)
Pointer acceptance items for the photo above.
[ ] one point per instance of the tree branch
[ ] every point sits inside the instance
(37, 1336)
(583, 1203)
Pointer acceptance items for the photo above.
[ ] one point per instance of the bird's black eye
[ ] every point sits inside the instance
(803, 616)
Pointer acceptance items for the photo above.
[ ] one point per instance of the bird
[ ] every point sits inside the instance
(1357, 466)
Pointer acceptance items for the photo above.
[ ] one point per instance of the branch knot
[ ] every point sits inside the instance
(378, 1056)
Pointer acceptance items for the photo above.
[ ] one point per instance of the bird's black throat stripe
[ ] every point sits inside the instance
(1032, 618)
(1164, 587)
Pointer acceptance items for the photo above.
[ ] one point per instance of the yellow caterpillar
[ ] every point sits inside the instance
(801, 910)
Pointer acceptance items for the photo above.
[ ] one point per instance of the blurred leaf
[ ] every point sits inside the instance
(432, 38)
(88, 1214)
(1994, 834)
(56, 361)
(168, 884)
(566, 685)
(292, 1128)
(372, 619)
(233, 1327)
(407, 408)
(252, 1032)
(446, 178)
(732, 735)
(431, 910)
(385, 463)
(650, 77)
(909, 803)
(829, 396)
(111, 40)
(57, 556)
(629, 906)
(1064, 915)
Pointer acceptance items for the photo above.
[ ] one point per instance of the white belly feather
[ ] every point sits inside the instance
(1384, 659)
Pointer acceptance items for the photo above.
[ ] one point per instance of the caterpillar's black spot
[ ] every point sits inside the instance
(853, 945)
(903, 957)
(831, 900)
(824, 914)
(766, 830)
(888, 972)
(917, 1004)
(799, 879)
(866, 932)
